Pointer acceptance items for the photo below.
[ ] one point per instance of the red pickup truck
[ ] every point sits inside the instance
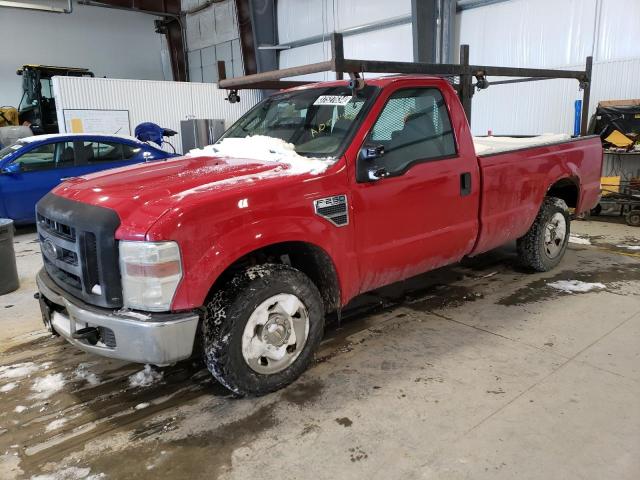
(316, 195)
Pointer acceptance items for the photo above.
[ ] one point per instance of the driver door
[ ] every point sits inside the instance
(416, 215)
(41, 169)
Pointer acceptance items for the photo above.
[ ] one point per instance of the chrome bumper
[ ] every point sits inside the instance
(158, 339)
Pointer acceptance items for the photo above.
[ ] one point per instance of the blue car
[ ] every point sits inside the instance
(34, 165)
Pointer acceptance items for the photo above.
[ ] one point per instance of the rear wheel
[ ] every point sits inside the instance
(262, 329)
(633, 218)
(544, 245)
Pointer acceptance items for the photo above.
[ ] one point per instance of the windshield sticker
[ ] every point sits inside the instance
(340, 100)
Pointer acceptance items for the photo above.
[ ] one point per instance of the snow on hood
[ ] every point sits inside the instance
(265, 149)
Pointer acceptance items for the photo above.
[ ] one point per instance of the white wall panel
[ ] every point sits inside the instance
(109, 42)
(618, 30)
(551, 34)
(307, 54)
(532, 33)
(298, 19)
(394, 43)
(164, 103)
(547, 106)
(351, 13)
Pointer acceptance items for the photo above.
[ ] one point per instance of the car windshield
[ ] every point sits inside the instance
(6, 151)
(317, 121)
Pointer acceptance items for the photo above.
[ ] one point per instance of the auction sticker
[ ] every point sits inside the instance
(340, 100)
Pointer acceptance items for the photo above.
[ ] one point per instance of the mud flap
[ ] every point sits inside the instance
(45, 311)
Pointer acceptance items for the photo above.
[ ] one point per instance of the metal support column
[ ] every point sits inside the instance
(424, 19)
(466, 83)
(586, 94)
(337, 54)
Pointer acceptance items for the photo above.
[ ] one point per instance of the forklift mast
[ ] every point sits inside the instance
(37, 105)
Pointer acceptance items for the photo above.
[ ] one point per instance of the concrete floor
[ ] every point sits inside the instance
(477, 371)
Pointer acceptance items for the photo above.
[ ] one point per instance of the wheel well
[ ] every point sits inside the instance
(309, 259)
(567, 190)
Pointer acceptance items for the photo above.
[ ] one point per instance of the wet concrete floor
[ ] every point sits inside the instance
(479, 370)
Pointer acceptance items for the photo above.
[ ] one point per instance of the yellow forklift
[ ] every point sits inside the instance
(37, 108)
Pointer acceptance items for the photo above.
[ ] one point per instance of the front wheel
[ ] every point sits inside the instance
(262, 328)
(544, 245)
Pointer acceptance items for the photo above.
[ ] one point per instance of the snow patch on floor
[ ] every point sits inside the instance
(142, 405)
(46, 386)
(20, 409)
(8, 387)
(70, 473)
(573, 286)
(56, 424)
(265, 149)
(145, 377)
(629, 247)
(579, 240)
(18, 370)
(81, 373)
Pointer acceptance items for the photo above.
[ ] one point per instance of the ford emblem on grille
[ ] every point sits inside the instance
(49, 249)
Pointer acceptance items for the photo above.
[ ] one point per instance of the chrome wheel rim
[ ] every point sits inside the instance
(554, 235)
(275, 334)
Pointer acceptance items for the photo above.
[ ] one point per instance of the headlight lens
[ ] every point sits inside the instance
(150, 272)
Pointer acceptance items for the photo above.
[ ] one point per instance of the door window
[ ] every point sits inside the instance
(130, 151)
(66, 155)
(40, 158)
(413, 126)
(99, 152)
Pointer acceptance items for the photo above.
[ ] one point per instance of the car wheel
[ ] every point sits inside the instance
(262, 328)
(544, 245)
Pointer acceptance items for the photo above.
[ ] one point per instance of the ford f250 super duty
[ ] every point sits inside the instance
(316, 195)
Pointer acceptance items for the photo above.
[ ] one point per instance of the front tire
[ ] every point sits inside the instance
(262, 328)
(544, 245)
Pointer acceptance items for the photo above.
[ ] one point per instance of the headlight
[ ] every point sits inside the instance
(150, 272)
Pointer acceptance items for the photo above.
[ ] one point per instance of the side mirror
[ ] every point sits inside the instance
(12, 168)
(371, 152)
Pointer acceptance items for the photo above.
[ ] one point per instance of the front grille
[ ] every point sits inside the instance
(57, 228)
(79, 249)
(92, 272)
(68, 278)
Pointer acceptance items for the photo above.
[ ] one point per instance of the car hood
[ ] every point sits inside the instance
(142, 193)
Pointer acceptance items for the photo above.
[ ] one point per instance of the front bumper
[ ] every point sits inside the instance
(158, 339)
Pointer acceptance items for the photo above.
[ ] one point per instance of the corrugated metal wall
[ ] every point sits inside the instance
(551, 34)
(212, 35)
(299, 19)
(164, 103)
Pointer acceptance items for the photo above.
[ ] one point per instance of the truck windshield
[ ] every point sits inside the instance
(317, 121)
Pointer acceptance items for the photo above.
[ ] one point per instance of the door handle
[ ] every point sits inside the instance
(465, 184)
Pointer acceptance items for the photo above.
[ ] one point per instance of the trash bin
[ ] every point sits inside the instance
(8, 269)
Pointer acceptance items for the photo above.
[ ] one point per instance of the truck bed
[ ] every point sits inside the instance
(514, 183)
(492, 145)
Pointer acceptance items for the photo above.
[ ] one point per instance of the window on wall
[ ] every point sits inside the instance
(413, 126)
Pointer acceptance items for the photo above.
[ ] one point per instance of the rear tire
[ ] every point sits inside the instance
(262, 328)
(544, 245)
(633, 218)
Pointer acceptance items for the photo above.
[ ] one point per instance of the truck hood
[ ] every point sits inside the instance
(141, 194)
